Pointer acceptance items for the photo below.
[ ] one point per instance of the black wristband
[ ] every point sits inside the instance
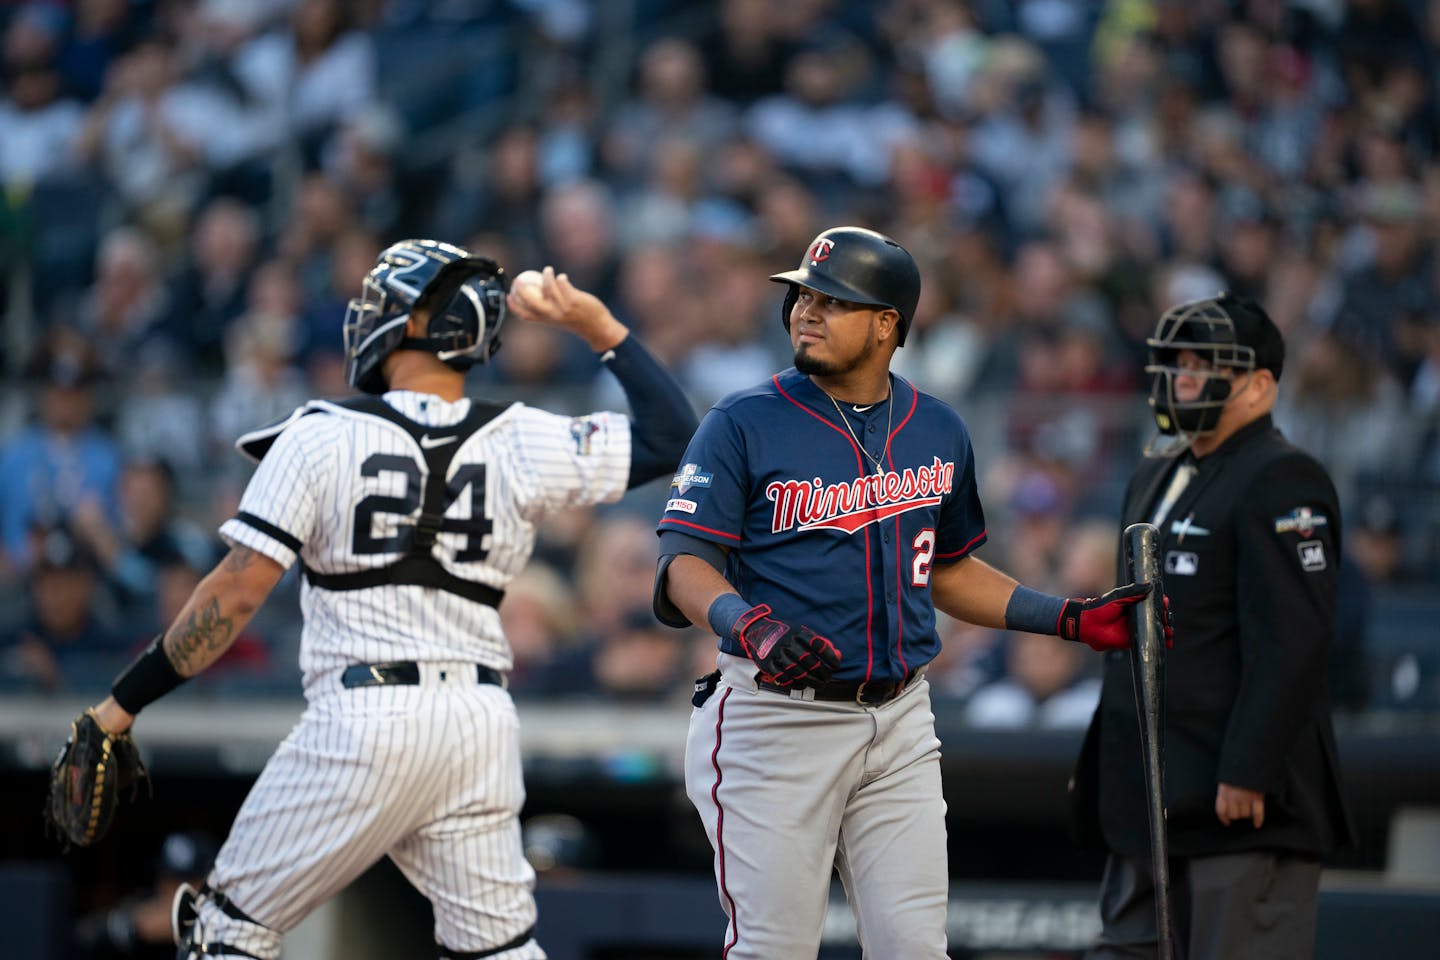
(148, 678)
(726, 610)
(1030, 611)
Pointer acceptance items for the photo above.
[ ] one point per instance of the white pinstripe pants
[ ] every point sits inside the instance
(429, 775)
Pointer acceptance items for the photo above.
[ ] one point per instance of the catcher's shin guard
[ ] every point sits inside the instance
(187, 932)
(183, 914)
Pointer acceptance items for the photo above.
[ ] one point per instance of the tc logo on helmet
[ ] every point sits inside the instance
(821, 250)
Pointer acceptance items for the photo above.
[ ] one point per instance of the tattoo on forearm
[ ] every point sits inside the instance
(238, 559)
(192, 644)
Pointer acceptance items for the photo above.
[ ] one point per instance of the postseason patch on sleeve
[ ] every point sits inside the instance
(1301, 520)
(690, 476)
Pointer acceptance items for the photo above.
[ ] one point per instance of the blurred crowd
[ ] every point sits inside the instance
(191, 190)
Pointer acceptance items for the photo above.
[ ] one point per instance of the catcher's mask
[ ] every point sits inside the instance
(858, 266)
(1231, 336)
(463, 294)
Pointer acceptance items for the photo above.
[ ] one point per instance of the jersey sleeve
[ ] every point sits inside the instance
(278, 510)
(709, 492)
(962, 519)
(1288, 551)
(569, 461)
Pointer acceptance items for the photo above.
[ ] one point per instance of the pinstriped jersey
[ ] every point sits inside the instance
(338, 489)
(834, 516)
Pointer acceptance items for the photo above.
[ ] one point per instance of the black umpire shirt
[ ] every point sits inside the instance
(1250, 552)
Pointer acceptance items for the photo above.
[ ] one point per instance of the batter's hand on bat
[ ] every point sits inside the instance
(1103, 623)
(787, 656)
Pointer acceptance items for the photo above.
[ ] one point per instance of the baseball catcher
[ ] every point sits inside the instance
(408, 508)
(92, 768)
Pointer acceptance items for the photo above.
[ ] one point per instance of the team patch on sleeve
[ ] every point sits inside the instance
(582, 429)
(1312, 555)
(684, 506)
(689, 476)
(1301, 520)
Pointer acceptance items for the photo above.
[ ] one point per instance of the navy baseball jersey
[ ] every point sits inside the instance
(836, 524)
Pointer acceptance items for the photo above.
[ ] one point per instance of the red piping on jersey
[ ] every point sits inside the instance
(965, 549)
(899, 563)
(696, 526)
(720, 825)
(860, 467)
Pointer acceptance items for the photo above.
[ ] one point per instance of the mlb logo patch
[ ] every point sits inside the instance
(1182, 563)
(1312, 555)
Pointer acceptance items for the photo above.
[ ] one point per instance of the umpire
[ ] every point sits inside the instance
(1250, 542)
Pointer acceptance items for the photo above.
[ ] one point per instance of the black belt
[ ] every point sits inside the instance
(848, 691)
(404, 673)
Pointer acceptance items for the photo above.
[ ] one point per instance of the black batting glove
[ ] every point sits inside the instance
(1103, 623)
(787, 656)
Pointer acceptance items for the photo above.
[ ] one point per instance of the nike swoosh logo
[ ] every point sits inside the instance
(428, 442)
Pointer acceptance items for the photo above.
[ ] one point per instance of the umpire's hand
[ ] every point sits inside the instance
(1103, 623)
(787, 656)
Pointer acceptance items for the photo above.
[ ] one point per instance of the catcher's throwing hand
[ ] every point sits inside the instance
(553, 300)
(92, 768)
(786, 655)
(1102, 623)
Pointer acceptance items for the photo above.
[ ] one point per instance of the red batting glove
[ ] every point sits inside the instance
(1103, 623)
(786, 655)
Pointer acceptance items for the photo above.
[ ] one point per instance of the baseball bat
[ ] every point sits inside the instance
(1147, 670)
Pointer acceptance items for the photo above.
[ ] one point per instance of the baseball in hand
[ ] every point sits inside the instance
(527, 278)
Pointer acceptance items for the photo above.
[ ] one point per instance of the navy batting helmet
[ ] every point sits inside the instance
(463, 294)
(858, 266)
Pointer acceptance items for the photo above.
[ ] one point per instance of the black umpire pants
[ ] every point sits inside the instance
(1241, 906)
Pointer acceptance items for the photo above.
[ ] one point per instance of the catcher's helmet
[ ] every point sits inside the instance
(860, 266)
(1230, 333)
(464, 295)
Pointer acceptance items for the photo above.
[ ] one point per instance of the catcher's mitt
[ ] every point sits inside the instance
(86, 780)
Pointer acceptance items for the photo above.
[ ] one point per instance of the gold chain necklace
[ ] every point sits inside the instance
(889, 420)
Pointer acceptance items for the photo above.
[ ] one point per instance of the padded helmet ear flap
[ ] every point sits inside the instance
(441, 290)
(791, 298)
(466, 306)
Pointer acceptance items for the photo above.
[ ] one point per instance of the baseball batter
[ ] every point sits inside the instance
(409, 509)
(818, 521)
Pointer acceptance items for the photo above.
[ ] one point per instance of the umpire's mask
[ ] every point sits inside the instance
(1231, 336)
